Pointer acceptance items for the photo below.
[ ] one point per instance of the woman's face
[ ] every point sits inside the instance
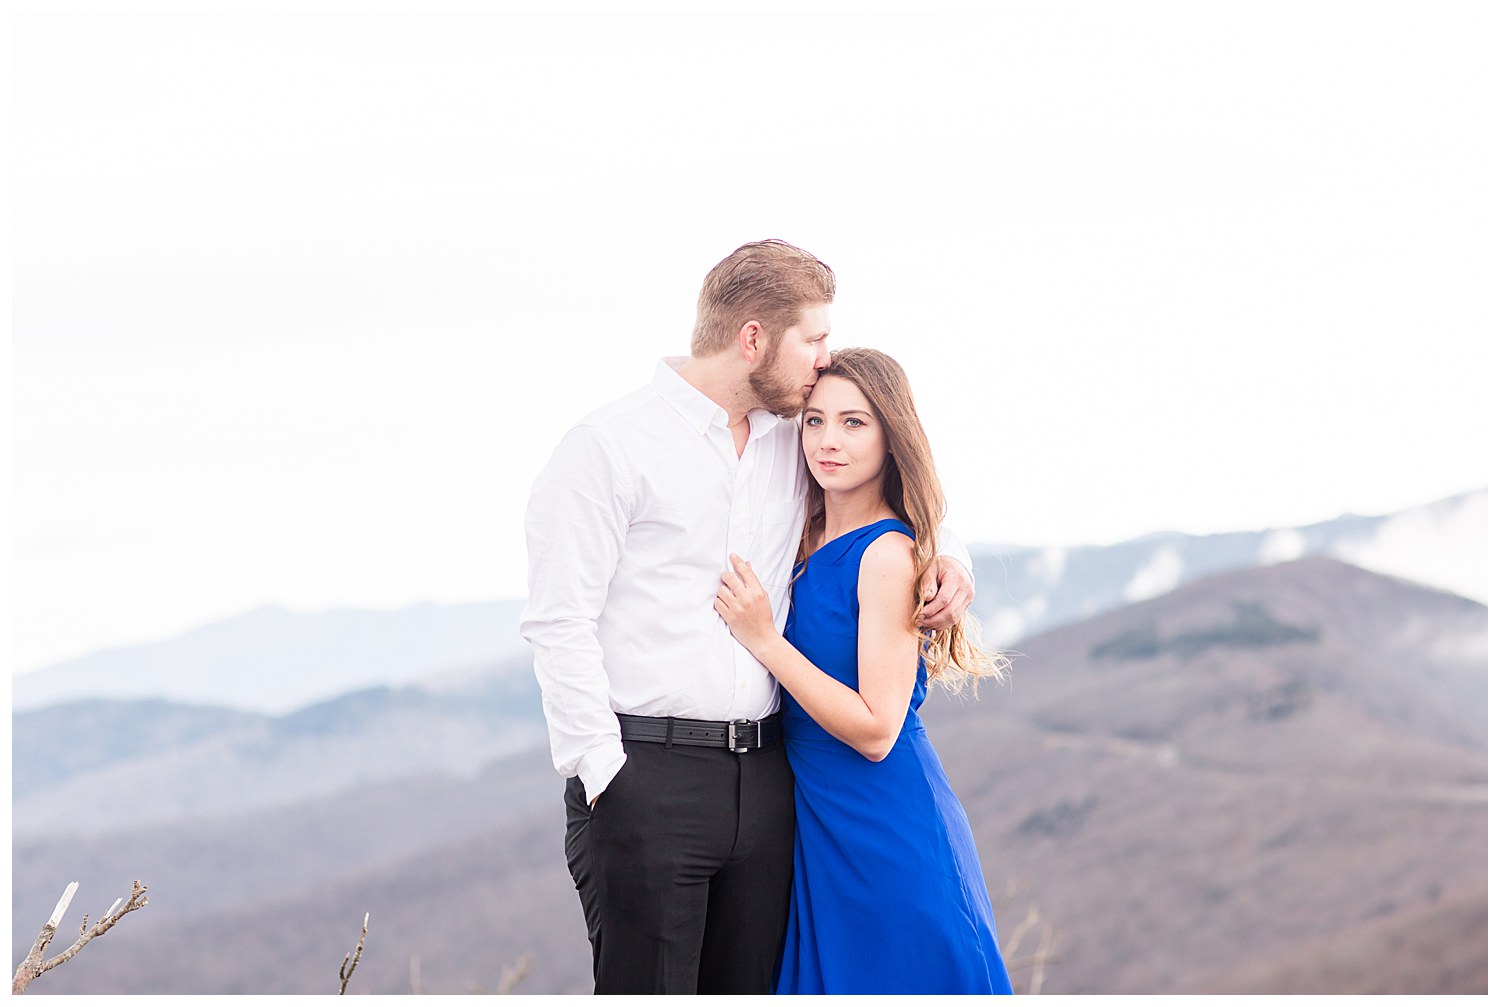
(841, 439)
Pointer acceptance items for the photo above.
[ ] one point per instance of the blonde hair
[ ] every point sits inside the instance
(766, 281)
(956, 658)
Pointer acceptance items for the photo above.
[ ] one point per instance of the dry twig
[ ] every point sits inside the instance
(1032, 919)
(1047, 939)
(512, 976)
(1039, 959)
(33, 965)
(416, 974)
(1043, 957)
(351, 960)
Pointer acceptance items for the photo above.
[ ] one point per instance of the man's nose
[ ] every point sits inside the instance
(824, 357)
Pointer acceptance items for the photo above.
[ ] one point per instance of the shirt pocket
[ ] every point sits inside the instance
(777, 535)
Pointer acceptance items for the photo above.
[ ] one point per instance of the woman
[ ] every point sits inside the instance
(887, 892)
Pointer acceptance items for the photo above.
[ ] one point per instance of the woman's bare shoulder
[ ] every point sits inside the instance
(892, 556)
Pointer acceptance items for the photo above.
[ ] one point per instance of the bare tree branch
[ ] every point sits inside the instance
(1047, 939)
(416, 974)
(351, 961)
(512, 976)
(33, 965)
(1043, 957)
(1032, 919)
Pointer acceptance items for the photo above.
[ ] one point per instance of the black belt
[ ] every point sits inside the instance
(735, 735)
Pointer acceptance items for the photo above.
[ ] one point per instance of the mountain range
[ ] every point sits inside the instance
(1267, 779)
(274, 661)
(1027, 590)
(112, 756)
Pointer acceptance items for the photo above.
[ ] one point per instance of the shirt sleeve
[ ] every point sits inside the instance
(576, 522)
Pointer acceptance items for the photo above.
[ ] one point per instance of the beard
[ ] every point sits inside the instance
(782, 396)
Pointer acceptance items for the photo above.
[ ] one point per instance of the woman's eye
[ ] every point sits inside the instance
(812, 421)
(854, 422)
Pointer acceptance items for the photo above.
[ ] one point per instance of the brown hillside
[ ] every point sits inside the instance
(1257, 764)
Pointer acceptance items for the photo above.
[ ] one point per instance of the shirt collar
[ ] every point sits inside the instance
(698, 409)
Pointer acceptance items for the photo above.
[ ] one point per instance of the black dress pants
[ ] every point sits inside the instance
(684, 868)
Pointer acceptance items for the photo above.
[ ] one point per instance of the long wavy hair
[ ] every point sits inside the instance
(956, 658)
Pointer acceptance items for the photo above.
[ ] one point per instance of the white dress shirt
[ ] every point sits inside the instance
(628, 530)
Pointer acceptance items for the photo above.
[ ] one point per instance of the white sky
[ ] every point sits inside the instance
(302, 302)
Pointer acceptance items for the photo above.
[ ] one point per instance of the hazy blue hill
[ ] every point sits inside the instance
(51, 745)
(502, 698)
(229, 764)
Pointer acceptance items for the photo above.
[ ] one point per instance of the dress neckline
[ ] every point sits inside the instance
(856, 531)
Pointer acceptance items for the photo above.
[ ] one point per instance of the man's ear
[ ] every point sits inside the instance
(752, 340)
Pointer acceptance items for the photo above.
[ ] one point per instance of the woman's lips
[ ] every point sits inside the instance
(831, 466)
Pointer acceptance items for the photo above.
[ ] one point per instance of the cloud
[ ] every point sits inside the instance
(1433, 545)
(1282, 545)
(1161, 574)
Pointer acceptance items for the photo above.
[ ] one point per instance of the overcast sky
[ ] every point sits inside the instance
(303, 302)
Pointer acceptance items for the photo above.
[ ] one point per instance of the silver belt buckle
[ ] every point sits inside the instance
(734, 726)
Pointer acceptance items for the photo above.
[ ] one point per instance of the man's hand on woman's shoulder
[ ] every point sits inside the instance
(949, 591)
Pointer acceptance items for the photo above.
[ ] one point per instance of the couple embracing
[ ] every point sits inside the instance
(739, 596)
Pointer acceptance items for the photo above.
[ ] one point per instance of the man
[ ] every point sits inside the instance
(679, 797)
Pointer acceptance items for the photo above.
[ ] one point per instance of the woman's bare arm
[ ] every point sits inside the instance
(869, 719)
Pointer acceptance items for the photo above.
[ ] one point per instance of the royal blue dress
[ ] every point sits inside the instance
(887, 892)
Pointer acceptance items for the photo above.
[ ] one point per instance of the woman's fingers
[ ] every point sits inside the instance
(743, 568)
(741, 578)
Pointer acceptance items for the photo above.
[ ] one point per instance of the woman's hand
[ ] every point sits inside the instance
(744, 605)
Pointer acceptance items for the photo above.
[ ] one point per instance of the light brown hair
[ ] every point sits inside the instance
(765, 281)
(955, 657)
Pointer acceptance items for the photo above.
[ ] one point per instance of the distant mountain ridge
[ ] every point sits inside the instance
(1027, 590)
(150, 761)
(274, 661)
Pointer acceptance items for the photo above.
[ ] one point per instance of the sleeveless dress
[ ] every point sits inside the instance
(887, 892)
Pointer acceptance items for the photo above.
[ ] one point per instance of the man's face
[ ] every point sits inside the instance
(784, 378)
